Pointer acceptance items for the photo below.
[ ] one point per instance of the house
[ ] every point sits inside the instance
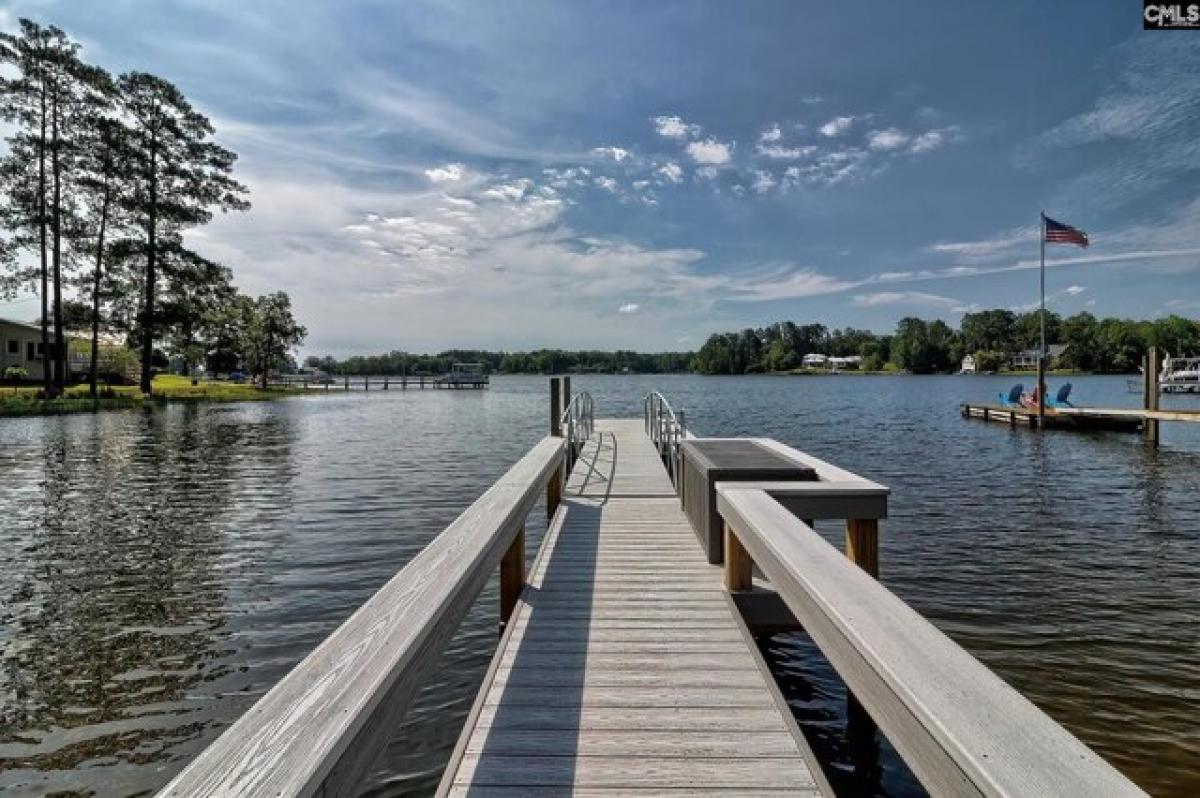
(814, 361)
(21, 345)
(1028, 358)
(848, 362)
(968, 365)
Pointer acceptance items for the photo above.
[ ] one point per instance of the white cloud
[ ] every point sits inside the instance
(450, 173)
(707, 172)
(989, 247)
(672, 127)
(511, 191)
(618, 154)
(813, 100)
(786, 153)
(671, 172)
(607, 183)
(836, 126)
(903, 298)
(773, 133)
(628, 308)
(710, 152)
(763, 181)
(930, 140)
(891, 138)
(1074, 290)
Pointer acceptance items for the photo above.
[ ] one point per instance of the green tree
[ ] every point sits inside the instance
(989, 330)
(179, 177)
(271, 334)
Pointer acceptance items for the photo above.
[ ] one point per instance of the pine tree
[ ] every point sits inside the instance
(179, 177)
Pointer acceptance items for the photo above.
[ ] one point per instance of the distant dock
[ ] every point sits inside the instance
(1145, 419)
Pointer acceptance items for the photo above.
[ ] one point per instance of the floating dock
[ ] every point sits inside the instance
(627, 663)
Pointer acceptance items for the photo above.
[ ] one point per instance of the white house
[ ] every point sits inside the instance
(21, 345)
(968, 365)
(848, 362)
(814, 361)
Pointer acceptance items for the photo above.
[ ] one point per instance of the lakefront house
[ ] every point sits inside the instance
(21, 346)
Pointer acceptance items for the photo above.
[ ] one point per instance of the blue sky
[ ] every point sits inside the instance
(512, 175)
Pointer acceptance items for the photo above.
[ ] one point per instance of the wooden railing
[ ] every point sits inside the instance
(320, 728)
(961, 729)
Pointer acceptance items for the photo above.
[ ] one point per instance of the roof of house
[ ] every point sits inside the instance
(1053, 350)
(27, 325)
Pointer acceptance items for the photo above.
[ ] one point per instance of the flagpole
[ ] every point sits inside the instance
(1041, 376)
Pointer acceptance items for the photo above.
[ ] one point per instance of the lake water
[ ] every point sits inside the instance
(163, 569)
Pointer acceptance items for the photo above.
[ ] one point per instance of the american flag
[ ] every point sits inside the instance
(1059, 233)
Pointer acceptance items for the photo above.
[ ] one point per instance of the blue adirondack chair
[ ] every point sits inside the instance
(1014, 396)
(1060, 399)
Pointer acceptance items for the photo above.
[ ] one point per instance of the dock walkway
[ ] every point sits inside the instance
(624, 669)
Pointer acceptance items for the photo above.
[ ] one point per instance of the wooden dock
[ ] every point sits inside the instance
(1130, 419)
(626, 667)
(627, 664)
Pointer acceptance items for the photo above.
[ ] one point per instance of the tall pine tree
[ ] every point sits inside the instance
(179, 177)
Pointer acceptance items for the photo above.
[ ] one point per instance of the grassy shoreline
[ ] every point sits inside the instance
(166, 389)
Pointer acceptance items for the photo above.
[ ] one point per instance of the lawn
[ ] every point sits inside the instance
(23, 400)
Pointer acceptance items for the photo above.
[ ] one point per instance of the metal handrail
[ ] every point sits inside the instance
(577, 423)
(665, 427)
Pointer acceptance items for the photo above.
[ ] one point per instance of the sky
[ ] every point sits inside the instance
(427, 175)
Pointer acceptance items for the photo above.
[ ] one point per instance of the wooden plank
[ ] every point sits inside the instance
(672, 719)
(520, 673)
(638, 743)
(526, 791)
(619, 773)
(323, 724)
(961, 729)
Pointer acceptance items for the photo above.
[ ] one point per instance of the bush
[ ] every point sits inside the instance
(16, 374)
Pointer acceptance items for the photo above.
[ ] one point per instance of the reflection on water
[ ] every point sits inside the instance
(165, 568)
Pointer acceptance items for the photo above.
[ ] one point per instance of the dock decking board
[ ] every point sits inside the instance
(623, 670)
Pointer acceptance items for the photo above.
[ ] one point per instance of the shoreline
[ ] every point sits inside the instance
(23, 401)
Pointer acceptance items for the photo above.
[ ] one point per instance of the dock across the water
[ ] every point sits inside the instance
(627, 663)
(1131, 419)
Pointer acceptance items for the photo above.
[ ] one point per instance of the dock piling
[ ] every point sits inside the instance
(555, 408)
(1150, 395)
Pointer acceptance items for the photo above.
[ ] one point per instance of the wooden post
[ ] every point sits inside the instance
(366, 383)
(1041, 390)
(1150, 395)
(512, 576)
(385, 382)
(862, 544)
(554, 492)
(555, 426)
(739, 567)
(566, 394)
(347, 382)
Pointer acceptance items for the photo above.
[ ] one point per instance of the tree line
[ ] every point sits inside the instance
(542, 361)
(102, 178)
(1109, 345)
